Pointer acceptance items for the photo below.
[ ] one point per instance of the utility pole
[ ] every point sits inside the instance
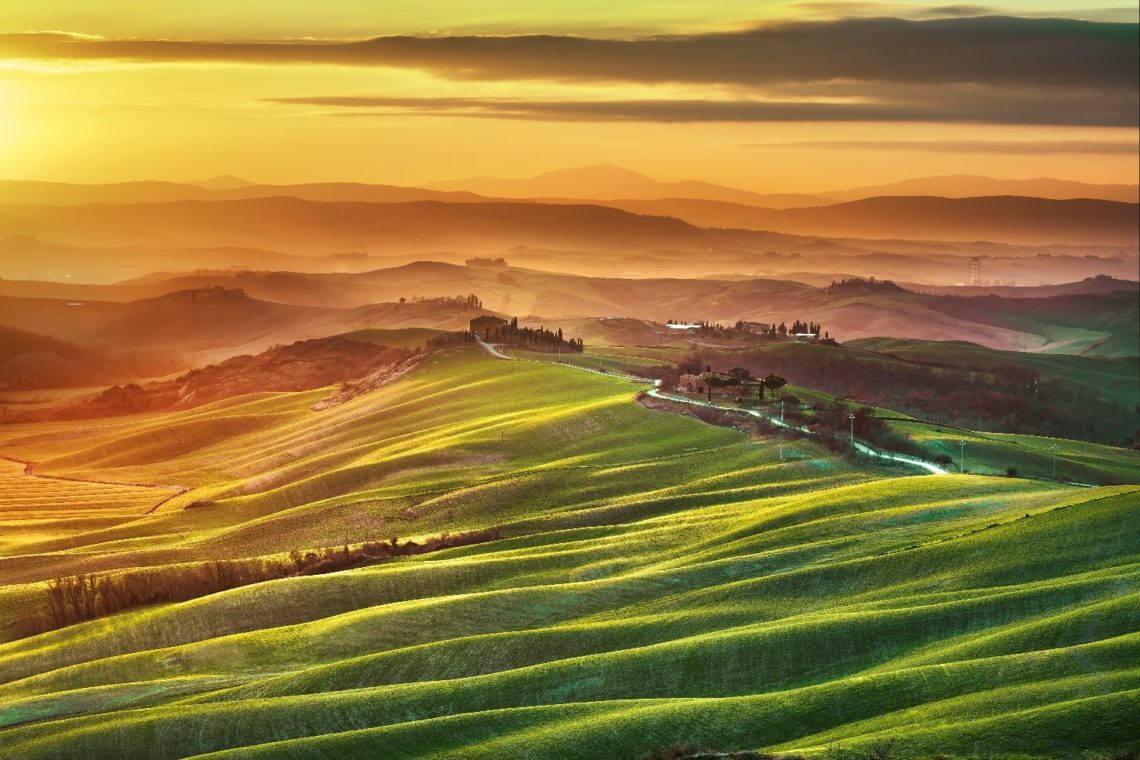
(852, 439)
(962, 458)
(781, 411)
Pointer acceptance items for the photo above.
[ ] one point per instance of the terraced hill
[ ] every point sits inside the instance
(660, 581)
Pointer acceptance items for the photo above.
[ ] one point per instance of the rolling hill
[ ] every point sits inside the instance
(300, 366)
(658, 582)
(186, 321)
(210, 323)
(640, 228)
(30, 361)
(284, 307)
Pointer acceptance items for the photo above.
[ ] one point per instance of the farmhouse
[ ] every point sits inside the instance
(487, 323)
(691, 384)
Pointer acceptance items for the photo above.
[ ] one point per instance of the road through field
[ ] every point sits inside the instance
(656, 392)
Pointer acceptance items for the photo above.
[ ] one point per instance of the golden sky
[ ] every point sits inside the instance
(786, 95)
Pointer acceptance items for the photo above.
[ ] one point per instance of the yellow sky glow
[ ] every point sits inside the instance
(105, 120)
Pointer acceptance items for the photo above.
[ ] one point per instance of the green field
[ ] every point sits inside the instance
(1113, 377)
(660, 581)
(1031, 456)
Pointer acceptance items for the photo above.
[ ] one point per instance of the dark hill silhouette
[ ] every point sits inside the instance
(1011, 219)
(300, 225)
(294, 224)
(973, 186)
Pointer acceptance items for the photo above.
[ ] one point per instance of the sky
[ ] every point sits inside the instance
(773, 96)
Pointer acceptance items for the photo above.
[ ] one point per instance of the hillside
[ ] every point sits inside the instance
(1114, 378)
(30, 361)
(675, 580)
(957, 384)
(174, 323)
(209, 323)
(301, 366)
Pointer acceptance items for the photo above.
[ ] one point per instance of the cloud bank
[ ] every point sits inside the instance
(972, 70)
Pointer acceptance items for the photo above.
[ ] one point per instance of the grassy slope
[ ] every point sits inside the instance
(1126, 343)
(661, 581)
(1111, 377)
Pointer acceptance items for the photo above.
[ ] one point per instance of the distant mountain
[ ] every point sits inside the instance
(224, 182)
(609, 182)
(217, 189)
(970, 186)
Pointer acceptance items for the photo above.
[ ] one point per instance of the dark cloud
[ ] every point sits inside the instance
(988, 50)
(1029, 148)
(1007, 106)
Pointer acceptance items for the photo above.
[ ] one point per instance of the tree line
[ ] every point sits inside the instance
(539, 337)
(86, 596)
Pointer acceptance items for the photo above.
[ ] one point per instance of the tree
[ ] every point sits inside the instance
(774, 383)
(714, 380)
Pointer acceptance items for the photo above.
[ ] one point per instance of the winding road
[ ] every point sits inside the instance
(863, 448)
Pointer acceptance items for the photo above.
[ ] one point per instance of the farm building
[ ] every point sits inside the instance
(487, 323)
